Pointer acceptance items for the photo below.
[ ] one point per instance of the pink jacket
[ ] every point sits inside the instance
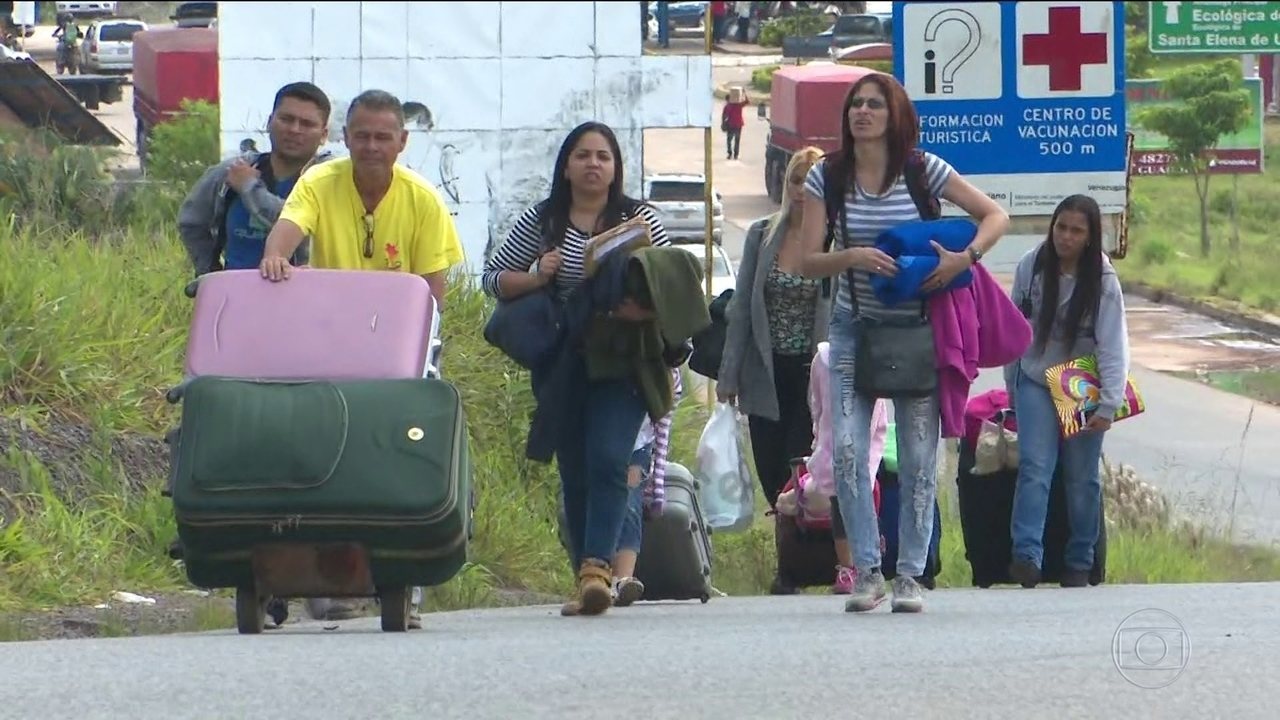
(973, 327)
(821, 463)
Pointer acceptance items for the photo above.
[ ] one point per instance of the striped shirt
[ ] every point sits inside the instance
(524, 245)
(655, 493)
(868, 216)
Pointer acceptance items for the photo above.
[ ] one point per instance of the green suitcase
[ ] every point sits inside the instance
(322, 488)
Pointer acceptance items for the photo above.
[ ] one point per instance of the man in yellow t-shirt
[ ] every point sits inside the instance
(366, 211)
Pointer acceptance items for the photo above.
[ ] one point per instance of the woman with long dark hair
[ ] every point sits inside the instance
(881, 177)
(586, 198)
(1069, 291)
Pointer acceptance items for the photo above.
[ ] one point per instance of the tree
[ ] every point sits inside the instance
(1135, 15)
(1209, 103)
(1138, 59)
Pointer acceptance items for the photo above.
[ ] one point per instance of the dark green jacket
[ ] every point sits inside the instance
(667, 280)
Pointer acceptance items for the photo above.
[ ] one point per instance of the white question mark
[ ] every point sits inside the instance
(962, 56)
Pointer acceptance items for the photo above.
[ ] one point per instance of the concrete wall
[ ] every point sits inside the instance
(502, 83)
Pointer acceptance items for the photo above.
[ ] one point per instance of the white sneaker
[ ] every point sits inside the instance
(627, 591)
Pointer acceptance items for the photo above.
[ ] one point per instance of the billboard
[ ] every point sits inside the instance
(1239, 153)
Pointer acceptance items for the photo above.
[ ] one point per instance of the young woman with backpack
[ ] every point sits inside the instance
(875, 181)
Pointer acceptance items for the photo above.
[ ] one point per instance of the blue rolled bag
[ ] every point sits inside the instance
(908, 244)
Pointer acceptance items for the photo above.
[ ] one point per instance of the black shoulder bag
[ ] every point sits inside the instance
(892, 358)
(528, 329)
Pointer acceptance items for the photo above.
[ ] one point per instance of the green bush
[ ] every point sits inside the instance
(179, 150)
(883, 66)
(762, 78)
(44, 181)
(1154, 252)
(797, 23)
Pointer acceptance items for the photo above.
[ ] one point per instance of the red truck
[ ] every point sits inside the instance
(171, 65)
(805, 104)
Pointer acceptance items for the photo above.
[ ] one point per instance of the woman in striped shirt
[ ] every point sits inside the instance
(586, 199)
(879, 132)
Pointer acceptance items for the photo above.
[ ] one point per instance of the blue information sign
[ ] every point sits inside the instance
(1017, 89)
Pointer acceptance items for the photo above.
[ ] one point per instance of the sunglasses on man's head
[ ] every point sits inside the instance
(871, 103)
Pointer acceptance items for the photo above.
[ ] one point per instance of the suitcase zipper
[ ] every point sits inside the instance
(295, 522)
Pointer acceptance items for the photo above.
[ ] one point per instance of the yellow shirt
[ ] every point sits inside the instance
(412, 229)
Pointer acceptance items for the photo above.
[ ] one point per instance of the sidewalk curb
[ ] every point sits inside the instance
(1254, 320)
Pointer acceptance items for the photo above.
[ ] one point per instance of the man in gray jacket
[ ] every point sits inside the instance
(225, 218)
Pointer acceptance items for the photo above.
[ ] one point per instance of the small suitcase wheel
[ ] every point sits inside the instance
(251, 610)
(190, 289)
(705, 598)
(395, 609)
(278, 609)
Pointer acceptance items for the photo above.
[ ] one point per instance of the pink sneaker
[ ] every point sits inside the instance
(844, 580)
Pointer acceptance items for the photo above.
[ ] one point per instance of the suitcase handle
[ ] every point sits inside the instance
(174, 395)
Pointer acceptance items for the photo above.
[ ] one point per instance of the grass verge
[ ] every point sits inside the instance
(1165, 234)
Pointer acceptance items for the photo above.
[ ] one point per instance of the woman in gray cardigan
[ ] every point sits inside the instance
(776, 320)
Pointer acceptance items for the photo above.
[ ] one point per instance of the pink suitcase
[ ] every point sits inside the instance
(328, 324)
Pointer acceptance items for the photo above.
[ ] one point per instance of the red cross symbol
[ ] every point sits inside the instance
(1064, 48)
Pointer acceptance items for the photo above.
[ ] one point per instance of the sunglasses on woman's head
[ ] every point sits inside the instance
(871, 103)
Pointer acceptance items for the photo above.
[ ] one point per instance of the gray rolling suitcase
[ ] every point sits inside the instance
(675, 552)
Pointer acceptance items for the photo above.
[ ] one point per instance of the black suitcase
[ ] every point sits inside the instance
(675, 551)
(890, 507)
(986, 510)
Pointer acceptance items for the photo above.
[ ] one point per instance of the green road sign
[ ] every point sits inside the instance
(1214, 27)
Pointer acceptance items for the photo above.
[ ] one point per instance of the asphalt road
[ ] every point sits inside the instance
(1000, 653)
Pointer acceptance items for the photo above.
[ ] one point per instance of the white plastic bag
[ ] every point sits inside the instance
(996, 449)
(727, 494)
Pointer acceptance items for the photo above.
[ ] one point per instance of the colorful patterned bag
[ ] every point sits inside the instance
(1075, 389)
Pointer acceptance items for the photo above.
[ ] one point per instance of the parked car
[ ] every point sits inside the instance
(681, 205)
(686, 15)
(195, 14)
(846, 31)
(723, 275)
(108, 45)
(87, 9)
(8, 53)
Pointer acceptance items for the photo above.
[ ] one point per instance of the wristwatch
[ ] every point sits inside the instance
(974, 254)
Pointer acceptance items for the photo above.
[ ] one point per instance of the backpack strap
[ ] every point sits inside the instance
(834, 192)
(914, 175)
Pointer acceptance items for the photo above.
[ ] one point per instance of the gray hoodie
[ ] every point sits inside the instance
(1107, 336)
(203, 212)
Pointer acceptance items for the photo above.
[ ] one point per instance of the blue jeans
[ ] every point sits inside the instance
(631, 534)
(918, 427)
(595, 444)
(1040, 449)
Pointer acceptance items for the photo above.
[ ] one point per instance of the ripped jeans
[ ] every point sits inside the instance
(918, 426)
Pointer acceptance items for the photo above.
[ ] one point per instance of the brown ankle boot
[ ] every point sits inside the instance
(594, 594)
(572, 607)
